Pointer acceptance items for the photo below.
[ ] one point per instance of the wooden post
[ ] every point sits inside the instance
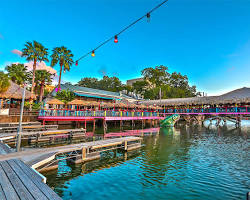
(94, 126)
(83, 153)
(126, 145)
(104, 126)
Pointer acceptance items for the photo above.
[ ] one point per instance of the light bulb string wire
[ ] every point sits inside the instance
(123, 30)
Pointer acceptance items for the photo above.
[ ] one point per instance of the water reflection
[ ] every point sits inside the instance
(174, 163)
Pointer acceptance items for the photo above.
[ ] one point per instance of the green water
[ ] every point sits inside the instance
(182, 163)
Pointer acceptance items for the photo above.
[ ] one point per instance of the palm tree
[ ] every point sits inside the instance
(64, 57)
(17, 73)
(4, 82)
(35, 52)
(43, 78)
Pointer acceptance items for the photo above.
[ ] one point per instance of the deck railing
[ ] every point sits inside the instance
(140, 113)
(91, 113)
(214, 110)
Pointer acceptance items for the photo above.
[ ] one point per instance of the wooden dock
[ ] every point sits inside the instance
(38, 136)
(29, 128)
(17, 123)
(45, 159)
(19, 181)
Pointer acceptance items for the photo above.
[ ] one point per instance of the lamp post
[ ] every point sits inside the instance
(19, 131)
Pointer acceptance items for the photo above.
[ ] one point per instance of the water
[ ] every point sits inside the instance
(183, 163)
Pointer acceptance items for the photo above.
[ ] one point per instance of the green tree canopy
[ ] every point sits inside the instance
(4, 82)
(65, 96)
(158, 82)
(89, 82)
(106, 83)
(18, 73)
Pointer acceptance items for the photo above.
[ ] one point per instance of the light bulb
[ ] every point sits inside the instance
(116, 39)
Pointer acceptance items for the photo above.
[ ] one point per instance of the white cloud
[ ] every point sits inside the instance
(17, 52)
(40, 66)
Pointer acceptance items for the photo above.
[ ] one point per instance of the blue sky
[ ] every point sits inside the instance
(208, 40)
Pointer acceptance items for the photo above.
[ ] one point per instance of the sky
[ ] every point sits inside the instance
(207, 40)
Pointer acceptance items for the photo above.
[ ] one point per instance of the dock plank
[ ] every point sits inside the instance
(2, 195)
(7, 187)
(50, 194)
(21, 190)
(33, 189)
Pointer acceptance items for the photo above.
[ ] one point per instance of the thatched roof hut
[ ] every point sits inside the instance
(93, 103)
(78, 102)
(121, 105)
(238, 96)
(54, 101)
(15, 92)
(107, 105)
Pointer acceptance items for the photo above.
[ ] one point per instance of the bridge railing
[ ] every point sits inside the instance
(209, 110)
(99, 113)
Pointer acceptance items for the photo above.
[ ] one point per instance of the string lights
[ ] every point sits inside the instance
(115, 37)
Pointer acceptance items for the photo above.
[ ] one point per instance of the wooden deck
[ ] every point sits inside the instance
(18, 181)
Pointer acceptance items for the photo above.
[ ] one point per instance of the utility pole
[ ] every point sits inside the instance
(19, 131)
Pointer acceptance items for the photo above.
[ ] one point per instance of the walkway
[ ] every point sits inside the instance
(19, 181)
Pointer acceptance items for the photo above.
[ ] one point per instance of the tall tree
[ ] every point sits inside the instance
(18, 73)
(64, 57)
(65, 96)
(156, 76)
(43, 78)
(35, 52)
(4, 82)
(89, 82)
(106, 83)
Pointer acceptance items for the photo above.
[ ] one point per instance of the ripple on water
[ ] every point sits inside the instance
(193, 164)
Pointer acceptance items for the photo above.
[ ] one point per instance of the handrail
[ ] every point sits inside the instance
(91, 113)
(141, 113)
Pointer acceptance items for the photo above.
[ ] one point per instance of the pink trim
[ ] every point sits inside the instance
(52, 118)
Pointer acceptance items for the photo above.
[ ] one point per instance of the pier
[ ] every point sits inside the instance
(19, 181)
(45, 158)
